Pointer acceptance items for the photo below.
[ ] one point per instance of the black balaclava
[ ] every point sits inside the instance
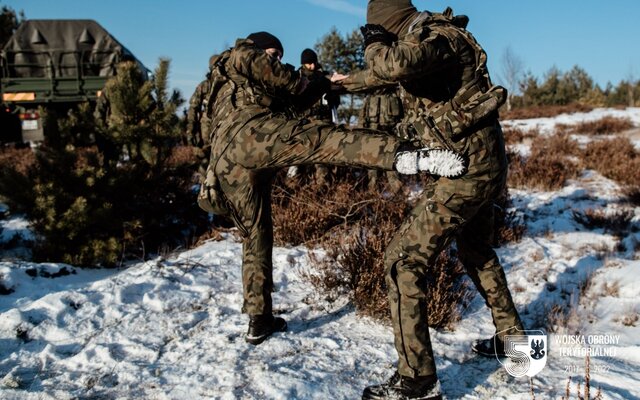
(265, 40)
(394, 15)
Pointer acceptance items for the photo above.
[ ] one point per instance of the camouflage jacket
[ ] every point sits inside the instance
(197, 119)
(448, 95)
(422, 61)
(430, 65)
(257, 83)
(381, 109)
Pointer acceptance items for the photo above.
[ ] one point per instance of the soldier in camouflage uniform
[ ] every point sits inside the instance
(451, 102)
(382, 110)
(253, 133)
(197, 131)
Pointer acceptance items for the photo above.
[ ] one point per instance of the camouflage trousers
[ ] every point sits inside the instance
(460, 209)
(246, 168)
(393, 180)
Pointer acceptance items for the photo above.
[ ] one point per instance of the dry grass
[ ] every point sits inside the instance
(182, 155)
(508, 226)
(18, 159)
(583, 393)
(616, 222)
(630, 318)
(515, 135)
(549, 165)
(616, 159)
(305, 213)
(611, 289)
(354, 226)
(605, 126)
(632, 195)
(565, 317)
(544, 111)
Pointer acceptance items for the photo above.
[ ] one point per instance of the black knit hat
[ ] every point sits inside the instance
(308, 56)
(265, 40)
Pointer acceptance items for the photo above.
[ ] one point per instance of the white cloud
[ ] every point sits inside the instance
(342, 6)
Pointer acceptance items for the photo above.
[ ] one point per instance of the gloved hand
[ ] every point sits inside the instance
(375, 34)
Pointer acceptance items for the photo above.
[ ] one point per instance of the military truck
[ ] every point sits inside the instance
(53, 65)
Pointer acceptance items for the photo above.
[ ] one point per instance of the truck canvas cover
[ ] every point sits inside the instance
(62, 48)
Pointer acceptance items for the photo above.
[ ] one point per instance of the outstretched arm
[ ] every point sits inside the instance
(403, 60)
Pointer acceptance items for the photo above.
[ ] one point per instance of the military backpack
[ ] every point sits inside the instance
(473, 102)
(210, 197)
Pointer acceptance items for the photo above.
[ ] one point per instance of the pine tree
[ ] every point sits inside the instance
(343, 55)
(110, 189)
(9, 22)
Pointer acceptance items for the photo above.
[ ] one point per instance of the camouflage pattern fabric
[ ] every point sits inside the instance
(321, 110)
(250, 142)
(431, 68)
(198, 124)
(382, 110)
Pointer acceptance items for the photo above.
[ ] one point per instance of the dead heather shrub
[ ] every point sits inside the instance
(630, 318)
(616, 222)
(17, 159)
(508, 227)
(632, 195)
(603, 126)
(558, 145)
(354, 257)
(304, 213)
(544, 111)
(611, 289)
(355, 265)
(549, 165)
(515, 135)
(583, 393)
(615, 159)
(568, 317)
(182, 155)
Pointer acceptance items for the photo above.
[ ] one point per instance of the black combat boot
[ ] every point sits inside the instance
(262, 326)
(491, 347)
(402, 387)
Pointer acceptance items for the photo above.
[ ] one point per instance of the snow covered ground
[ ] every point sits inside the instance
(171, 328)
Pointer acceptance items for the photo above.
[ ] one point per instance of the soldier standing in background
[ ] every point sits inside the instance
(382, 111)
(325, 109)
(450, 102)
(197, 131)
(254, 134)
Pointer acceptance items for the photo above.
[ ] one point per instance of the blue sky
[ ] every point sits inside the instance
(599, 36)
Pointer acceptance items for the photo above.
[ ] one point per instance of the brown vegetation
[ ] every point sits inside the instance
(354, 226)
(548, 166)
(18, 159)
(583, 394)
(544, 111)
(508, 226)
(604, 126)
(615, 158)
(515, 135)
(615, 222)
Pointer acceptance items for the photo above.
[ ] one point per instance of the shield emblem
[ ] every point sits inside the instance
(526, 354)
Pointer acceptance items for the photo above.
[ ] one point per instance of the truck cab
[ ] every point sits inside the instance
(52, 65)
